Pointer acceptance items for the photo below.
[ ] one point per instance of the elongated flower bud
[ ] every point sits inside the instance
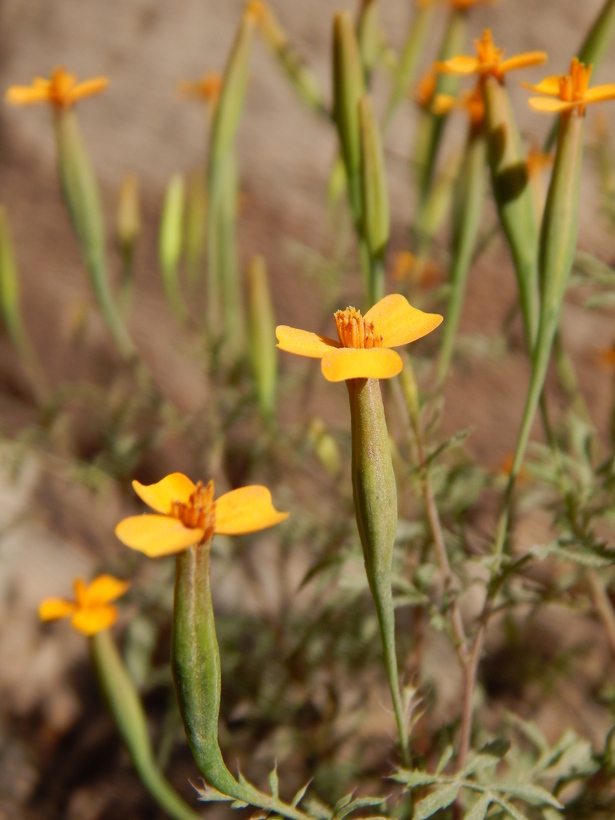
(82, 198)
(261, 328)
(170, 241)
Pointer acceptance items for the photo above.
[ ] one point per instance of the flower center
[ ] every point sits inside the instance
(488, 55)
(199, 513)
(354, 331)
(60, 86)
(573, 86)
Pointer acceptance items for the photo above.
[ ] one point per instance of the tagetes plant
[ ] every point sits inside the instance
(566, 92)
(91, 611)
(364, 347)
(188, 515)
(470, 101)
(489, 60)
(61, 90)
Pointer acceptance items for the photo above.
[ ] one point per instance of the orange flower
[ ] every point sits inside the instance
(207, 88)
(363, 350)
(490, 60)
(188, 515)
(471, 101)
(570, 91)
(91, 611)
(59, 90)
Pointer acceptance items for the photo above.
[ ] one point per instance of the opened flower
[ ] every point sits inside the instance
(188, 515)
(364, 347)
(91, 611)
(470, 101)
(569, 91)
(490, 60)
(61, 90)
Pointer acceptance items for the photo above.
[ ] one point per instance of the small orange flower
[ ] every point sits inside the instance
(425, 88)
(570, 91)
(363, 350)
(537, 161)
(470, 101)
(188, 515)
(60, 90)
(490, 60)
(207, 88)
(91, 611)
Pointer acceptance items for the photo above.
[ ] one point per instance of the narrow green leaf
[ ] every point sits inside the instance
(437, 800)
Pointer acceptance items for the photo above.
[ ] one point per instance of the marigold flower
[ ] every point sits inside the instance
(188, 515)
(207, 88)
(490, 60)
(60, 90)
(570, 90)
(91, 611)
(363, 350)
(471, 101)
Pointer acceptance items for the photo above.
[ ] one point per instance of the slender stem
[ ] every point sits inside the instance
(603, 605)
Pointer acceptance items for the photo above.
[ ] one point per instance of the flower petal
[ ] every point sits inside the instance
(462, 64)
(104, 589)
(529, 58)
(156, 535)
(551, 106)
(247, 509)
(89, 88)
(550, 85)
(91, 621)
(303, 343)
(398, 322)
(600, 92)
(53, 608)
(160, 496)
(360, 363)
(26, 95)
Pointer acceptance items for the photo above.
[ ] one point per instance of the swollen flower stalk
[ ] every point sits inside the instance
(170, 242)
(261, 331)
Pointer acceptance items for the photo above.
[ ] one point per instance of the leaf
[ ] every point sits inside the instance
(359, 803)
(208, 794)
(437, 800)
(479, 809)
(444, 758)
(414, 778)
(529, 793)
(586, 558)
(300, 794)
(274, 783)
(504, 804)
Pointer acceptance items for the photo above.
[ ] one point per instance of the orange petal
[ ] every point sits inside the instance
(463, 64)
(89, 88)
(247, 509)
(53, 608)
(551, 106)
(104, 589)
(443, 104)
(529, 58)
(550, 85)
(303, 343)
(160, 496)
(26, 95)
(156, 535)
(600, 92)
(91, 621)
(398, 322)
(359, 363)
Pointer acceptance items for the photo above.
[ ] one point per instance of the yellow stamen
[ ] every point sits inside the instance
(354, 331)
(199, 512)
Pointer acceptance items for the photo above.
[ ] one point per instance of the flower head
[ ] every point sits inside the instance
(471, 101)
(60, 90)
(570, 91)
(490, 60)
(363, 350)
(188, 515)
(91, 611)
(207, 88)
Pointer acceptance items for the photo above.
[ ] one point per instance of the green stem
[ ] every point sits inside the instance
(375, 500)
(129, 717)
